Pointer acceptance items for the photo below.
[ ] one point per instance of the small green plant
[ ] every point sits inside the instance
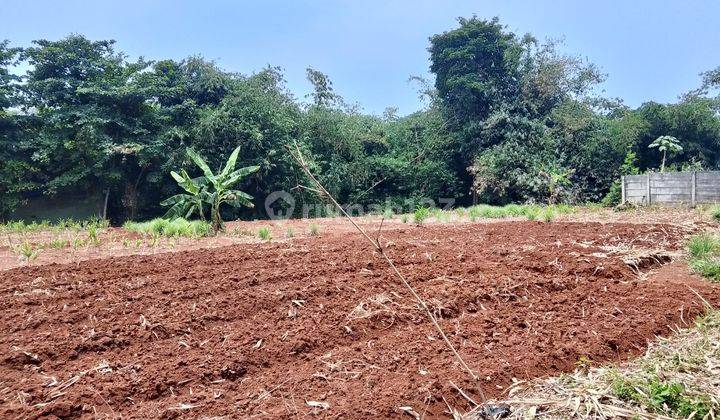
(126, 242)
(388, 213)
(138, 243)
(420, 215)
(78, 242)
(26, 251)
(532, 213)
(404, 218)
(314, 229)
(58, 243)
(289, 233)
(264, 234)
(548, 214)
(93, 236)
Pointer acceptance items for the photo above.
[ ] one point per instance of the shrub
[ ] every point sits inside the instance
(264, 233)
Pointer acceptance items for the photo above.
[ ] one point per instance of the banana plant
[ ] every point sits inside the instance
(211, 189)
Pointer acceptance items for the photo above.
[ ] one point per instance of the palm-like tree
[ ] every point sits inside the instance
(666, 144)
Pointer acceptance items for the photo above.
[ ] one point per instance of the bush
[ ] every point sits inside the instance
(171, 228)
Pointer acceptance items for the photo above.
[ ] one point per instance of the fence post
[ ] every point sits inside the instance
(623, 191)
(693, 189)
(647, 192)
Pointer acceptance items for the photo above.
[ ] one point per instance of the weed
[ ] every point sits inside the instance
(716, 212)
(314, 229)
(138, 242)
(126, 242)
(421, 214)
(404, 218)
(289, 233)
(264, 234)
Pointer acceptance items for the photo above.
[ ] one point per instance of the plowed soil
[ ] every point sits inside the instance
(319, 326)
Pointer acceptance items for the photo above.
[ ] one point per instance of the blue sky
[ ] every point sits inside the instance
(651, 50)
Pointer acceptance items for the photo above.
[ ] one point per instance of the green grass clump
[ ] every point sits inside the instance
(704, 250)
(421, 214)
(290, 232)
(405, 218)
(170, 228)
(264, 233)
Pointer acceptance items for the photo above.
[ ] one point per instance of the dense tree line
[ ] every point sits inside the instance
(508, 119)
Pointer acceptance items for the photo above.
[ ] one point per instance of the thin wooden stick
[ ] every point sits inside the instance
(299, 157)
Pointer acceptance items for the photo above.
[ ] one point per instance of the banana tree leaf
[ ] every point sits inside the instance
(200, 162)
(171, 201)
(230, 165)
(185, 182)
(180, 209)
(239, 174)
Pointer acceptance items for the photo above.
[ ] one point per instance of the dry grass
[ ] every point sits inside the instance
(678, 377)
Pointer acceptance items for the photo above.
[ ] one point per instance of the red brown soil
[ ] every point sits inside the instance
(259, 330)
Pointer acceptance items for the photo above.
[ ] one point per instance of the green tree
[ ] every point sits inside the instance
(666, 144)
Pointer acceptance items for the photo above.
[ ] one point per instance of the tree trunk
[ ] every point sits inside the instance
(662, 165)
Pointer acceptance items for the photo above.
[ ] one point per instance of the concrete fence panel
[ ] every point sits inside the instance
(688, 188)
